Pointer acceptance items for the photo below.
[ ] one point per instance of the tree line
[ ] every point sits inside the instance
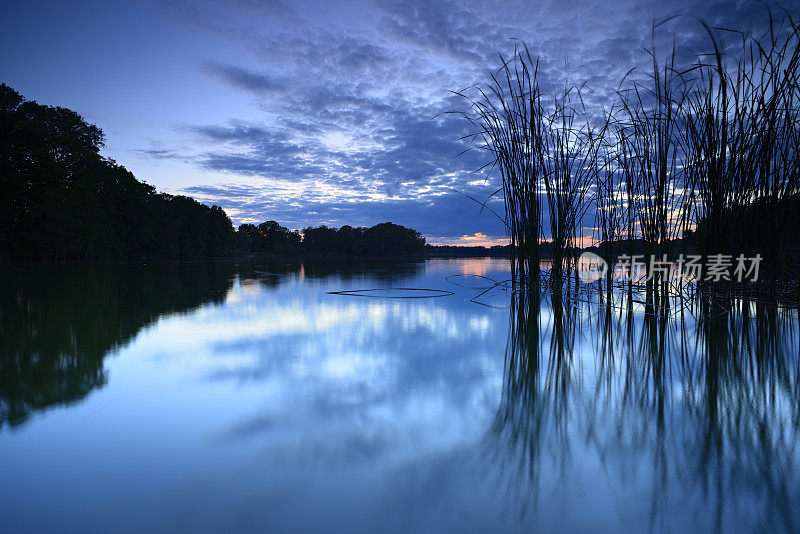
(384, 239)
(63, 200)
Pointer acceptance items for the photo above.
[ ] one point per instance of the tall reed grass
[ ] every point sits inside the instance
(707, 151)
(507, 116)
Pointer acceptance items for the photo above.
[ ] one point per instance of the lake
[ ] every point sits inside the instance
(250, 397)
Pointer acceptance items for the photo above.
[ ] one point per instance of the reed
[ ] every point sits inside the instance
(711, 147)
(568, 152)
(507, 117)
(651, 113)
(611, 200)
(741, 139)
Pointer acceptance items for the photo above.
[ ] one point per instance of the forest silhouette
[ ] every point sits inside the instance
(63, 200)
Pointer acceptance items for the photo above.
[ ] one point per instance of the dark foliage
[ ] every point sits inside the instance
(62, 199)
(384, 239)
(267, 238)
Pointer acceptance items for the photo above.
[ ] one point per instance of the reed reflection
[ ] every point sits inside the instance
(692, 416)
(532, 423)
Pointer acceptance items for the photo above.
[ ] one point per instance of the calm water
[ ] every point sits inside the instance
(223, 397)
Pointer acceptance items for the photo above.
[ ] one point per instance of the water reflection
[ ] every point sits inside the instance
(246, 396)
(59, 322)
(693, 422)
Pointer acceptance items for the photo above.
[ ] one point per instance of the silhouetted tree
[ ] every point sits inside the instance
(388, 239)
(320, 240)
(267, 238)
(385, 239)
(62, 199)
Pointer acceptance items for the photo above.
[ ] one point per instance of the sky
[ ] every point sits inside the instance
(325, 112)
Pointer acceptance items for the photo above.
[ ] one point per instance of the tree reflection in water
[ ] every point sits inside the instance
(59, 322)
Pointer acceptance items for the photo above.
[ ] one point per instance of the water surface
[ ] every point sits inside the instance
(248, 397)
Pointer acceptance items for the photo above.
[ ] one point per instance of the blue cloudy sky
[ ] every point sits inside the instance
(320, 112)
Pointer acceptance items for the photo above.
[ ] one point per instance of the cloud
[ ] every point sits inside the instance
(478, 239)
(241, 78)
(159, 154)
(372, 77)
(477, 236)
(309, 204)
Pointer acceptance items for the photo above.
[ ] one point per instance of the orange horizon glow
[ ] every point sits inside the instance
(478, 239)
